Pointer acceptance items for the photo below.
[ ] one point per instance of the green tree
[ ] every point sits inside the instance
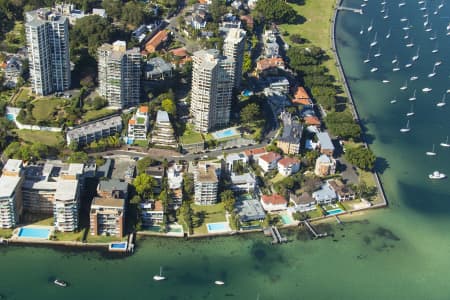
(343, 125)
(250, 113)
(169, 106)
(90, 32)
(78, 157)
(133, 13)
(247, 63)
(228, 200)
(361, 157)
(277, 11)
(144, 184)
(143, 164)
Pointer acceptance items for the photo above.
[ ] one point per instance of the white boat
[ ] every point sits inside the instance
(425, 24)
(395, 60)
(403, 19)
(413, 97)
(361, 32)
(412, 78)
(374, 42)
(160, 276)
(423, 8)
(388, 35)
(367, 59)
(421, 2)
(432, 38)
(437, 175)
(393, 101)
(60, 283)
(363, 4)
(385, 81)
(404, 87)
(442, 102)
(409, 65)
(441, 5)
(431, 153)
(396, 68)
(448, 27)
(401, 4)
(445, 144)
(374, 69)
(386, 15)
(406, 36)
(428, 29)
(433, 73)
(369, 29)
(219, 282)
(406, 128)
(436, 49)
(410, 45)
(378, 53)
(416, 57)
(438, 63)
(411, 111)
(427, 89)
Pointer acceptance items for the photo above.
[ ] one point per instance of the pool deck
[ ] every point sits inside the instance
(224, 224)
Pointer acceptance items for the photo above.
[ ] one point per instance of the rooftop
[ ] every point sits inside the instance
(8, 185)
(157, 65)
(112, 185)
(206, 174)
(256, 151)
(162, 117)
(66, 190)
(288, 161)
(292, 129)
(268, 63)
(274, 199)
(301, 93)
(156, 40)
(303, 198)
(107, 202)
(13, 165)
(324, 193)
(250, 210)
(324, 159)
(92, 127)
(180, 52)
(312, 120)
(270, 157)
(325, 141)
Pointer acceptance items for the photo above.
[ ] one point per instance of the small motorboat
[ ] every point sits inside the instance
(412, 78)
(374, 69)
(426, 90)
(60, 283)
(437, 175)
(393, 101)
(408, 65)
(385, 81)
(219, 282)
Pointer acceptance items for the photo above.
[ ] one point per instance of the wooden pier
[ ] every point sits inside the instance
(338, 220)
(130, 245)
(313, 231)
(277, 238)
(355, 10)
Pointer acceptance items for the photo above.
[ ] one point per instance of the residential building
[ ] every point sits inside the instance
(152, 213)
(47, 35)
(269, 161)
(325, 165)
(271, 47)
(325, 195)
(235, 161)
(303, 202)
(113, 188)
(212, 89)
(301, 97)
(163, 133)
(312, 121)
(107, 216)
(254, 154)
(206, 185)
(288, 166)
(248, 21)
(13, 71)
(326, 145)
(234, 46)
(249, 209)
(278, 84)
(157, 41)
(175, 184)
(93, 131)
(243, 183)
(157, 172)
(289, 142)
(157, 69)
(119, 74)
(266, 64)
(138, 124)
(199, 17)
(273, 202)
(11, 194)
(342, 191)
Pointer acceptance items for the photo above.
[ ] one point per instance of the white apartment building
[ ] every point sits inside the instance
(119, 74)
(163, 134)
(152, 213)
(47, 35)
(10, 193)
(234, 46)
(93, 131)
(175, 182)
(138, 124)
(212, 87)
(206, 185)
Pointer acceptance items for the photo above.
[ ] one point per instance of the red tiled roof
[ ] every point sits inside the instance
(301, 93)
(143, 109)
(269, 157)
(274, 199)
(181, 52)
(302, 101)
(268, 63)
(287, 161)
(255, 151)
(155, 41)
(248, 19)
(132, 122)
(312, 120)
(158, 205)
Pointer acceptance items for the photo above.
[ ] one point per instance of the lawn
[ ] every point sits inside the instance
(44, 222)
(190, 136)
(46, 137)
(44, 109)
(6, 233)
(316, 29)
(69, 236)
(97, 114)
(203, 214)
(23, 95)
(102, 238)
(277, 178)
(5, 96)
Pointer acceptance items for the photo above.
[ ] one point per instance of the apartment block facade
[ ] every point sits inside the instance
(119, 74)
(163, 133)
(234, 46)
(212, 89)
(138, 124)
(47, 35)
(206, 185)
(93, 131)
(11, 194)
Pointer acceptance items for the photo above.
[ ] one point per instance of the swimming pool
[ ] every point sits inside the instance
(118, 245)
(334, 211)
(218, 227)
(10, 117)
(287, 219)
(226, 133)
(247, 93)
(33, 232)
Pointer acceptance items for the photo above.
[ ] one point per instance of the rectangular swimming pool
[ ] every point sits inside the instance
(287, 219)
(35, 233)
(334, 211)
(118, 245)
(218, 227)
(10, 117)
(226, 133)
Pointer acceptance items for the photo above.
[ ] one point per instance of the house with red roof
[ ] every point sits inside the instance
(312, 121)
(156, 41)
(268, 161)
(273, 202)
(254, 154)
(288, 166)
(301, 97)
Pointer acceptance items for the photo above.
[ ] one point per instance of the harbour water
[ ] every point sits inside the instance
(396, 253)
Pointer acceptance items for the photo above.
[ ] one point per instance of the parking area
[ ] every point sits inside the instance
(121, 166)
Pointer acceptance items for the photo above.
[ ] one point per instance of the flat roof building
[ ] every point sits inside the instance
(206, 185)
(107, 216)
(11, 194)
(93, 131)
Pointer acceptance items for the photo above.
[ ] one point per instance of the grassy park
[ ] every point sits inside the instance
(45, 137)
(204, 214)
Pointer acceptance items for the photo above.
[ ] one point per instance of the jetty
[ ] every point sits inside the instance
(313, 231)
(338, 220)
(355, 10)
(277, 238)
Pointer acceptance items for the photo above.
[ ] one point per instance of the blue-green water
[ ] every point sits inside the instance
(395, 253)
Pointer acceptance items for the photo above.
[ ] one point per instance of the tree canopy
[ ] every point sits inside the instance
(343, 125)
(277, 11)
(169, 106)
(361, 157)
(90, 32)
(228, 200)
(250, 113)
(144, 184)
